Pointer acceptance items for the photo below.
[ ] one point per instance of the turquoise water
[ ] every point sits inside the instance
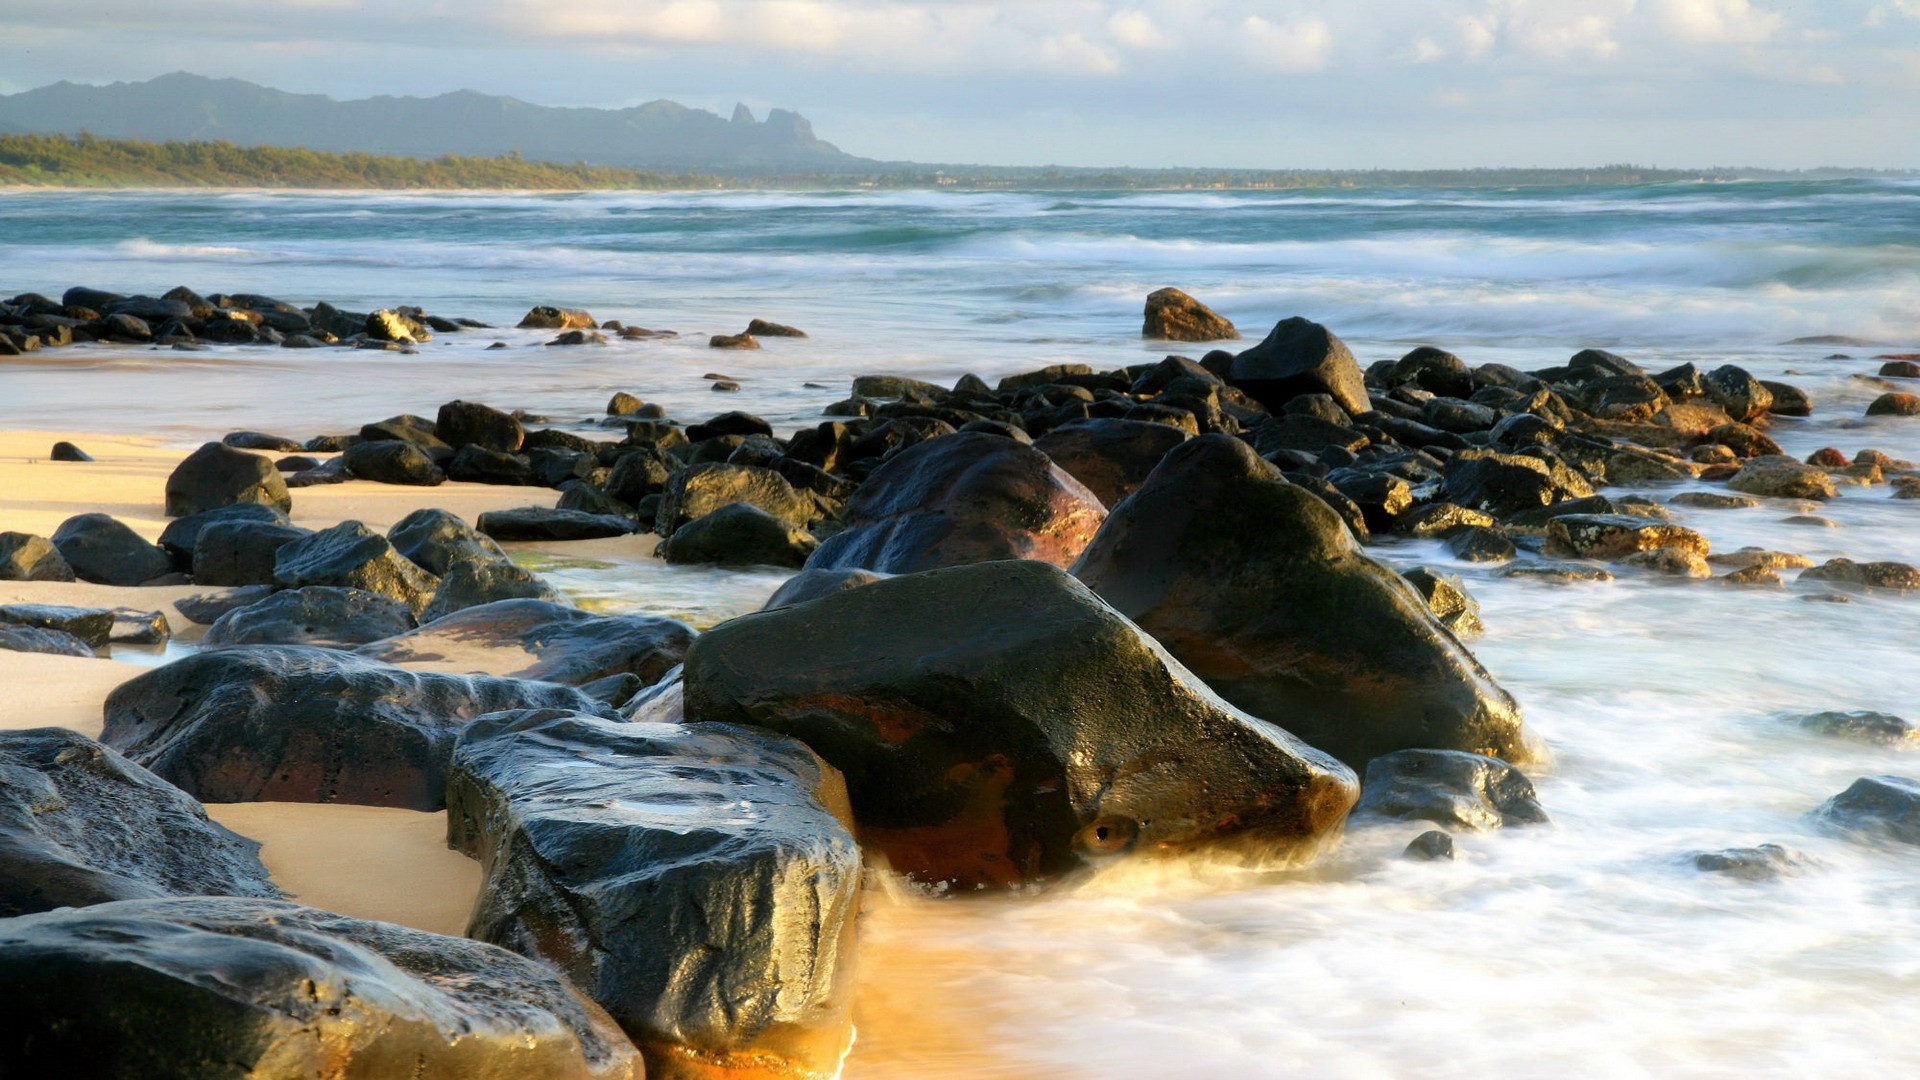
(1587, 947)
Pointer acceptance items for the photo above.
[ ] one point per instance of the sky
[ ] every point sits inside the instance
(1227, 83)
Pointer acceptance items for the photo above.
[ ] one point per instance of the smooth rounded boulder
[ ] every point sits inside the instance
(352, 556)
(1172, 315)
(321, 615)
(739, 534)
(700, 490)
(697, 880)
(1260, 589)
(998, 724)
(1111, 457)
(435, 540)
(265, 723)
(80, 825)
(105, 551)
(198, 988)
(392, 461)
(1301, 357)
(965, 498)
(473, 583)
(539, 639)
(218, 475)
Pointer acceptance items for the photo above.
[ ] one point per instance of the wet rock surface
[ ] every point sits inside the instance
(739, 534)
(1875, 807)
(540, 639)
(1448, 787)
(319, 615)
(94, 626)
(352, 556)
(537, 524)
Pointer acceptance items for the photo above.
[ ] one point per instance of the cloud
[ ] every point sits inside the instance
(1294, 48)
(1719, 22)
(1136, 30)
(1076, 53)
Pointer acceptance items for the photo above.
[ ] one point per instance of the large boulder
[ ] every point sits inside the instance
(241, 552)
(538, 639)
(540, 524)
(320, 615)
(1301, 357)
(1172, 315)
(288, 723)
(739, 534)
(1503, 484)
(79, 825)
(436, 541)
(698, 491)
(218, 475)
(202, 988)
(469, 423)
(1260, 589)
(964, 498)
(393, 461)
(473, 583)
(182, 535)
(107, 552)
(352, 556)
(26, 557)
(999, 724)
(693, 879)
(1111, 457)
(1883, 807)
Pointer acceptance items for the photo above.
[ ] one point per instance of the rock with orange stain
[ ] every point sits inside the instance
(229, 987)
(699, 881)
(998, 724)
(964, 498)
(1255, 585)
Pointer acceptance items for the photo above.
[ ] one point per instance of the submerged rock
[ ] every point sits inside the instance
(1460, 790)
(80, 825)
(539, 639)
(1876, 728)
(1430, 846)
(226, 987)
(692, 879)
(998, 724)
(1761, 863)
(1886, 807)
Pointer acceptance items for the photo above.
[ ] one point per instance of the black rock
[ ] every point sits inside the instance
(392, 461)
(241, 552)
(255, 440)
(1430, 846)
(814, 584)
(584, 497)
(730, 423)
(1761, 863)
(407, 428)
(692, 879)
(66, 451)
(1878, 728)
(739, 534)
(182, 535)
(102, 550)
(353, 556)
(700, 490)
(131, 626)
(638, 474)
(287, 723)
(437, 541)
(476, 464)
(1479, 544)
(1452, 788)
(1300, 357)
(540, 639)
(1503, 484)
(469, 423)
(33, 639)
(80, 825)
(228, 987)
(206, 608)
(1879, 806)
(536, 523)
(319, 615)
(1111, 457)
(26, 557)
(474, 582)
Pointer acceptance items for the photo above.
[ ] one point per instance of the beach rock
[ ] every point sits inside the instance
(218, 475)
(80, 825)
(700, 490)
(474, 582)
(469, 423)
(1430, 846)
(814, 584)
(537, 523)
(66, 451)
(389, 324)
(557, 318)
(230, 987)
(1479, 544)
(1870, 575)
(540, 639)
(241, 552)
(258, 440)
(392, 461)
(1758, 577)
(125, 330)
(437, 541)
(1783, 478)
(406, 428)
(478, 465)
(182, 535)
(318, 615)
(637, 475)
(289, 723)
(1713, 500)
(1111, 457)
(1258, 588)
(1616, 536)
(131, 626)
(1301, 357)
(352, 556)
(998, 724)
(1874, 728)
(1447, 597)
(1739, 393)
(1559, 573)
(694, 880)
(732, 341)
(739, 534)
(1882, 807)
(729, 423)
(1448, 787)
(963, 498)
(1788, 400)
(26, 557)
(1671, 561)
(103, 550)
(94, 626)
(1172, 315)
(1895, 404)
(1502, 484)
(1744, 440)
(587, 499)
(763, 328)
(32, 639)
(1762, 863)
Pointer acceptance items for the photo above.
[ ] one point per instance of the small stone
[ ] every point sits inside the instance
(1430, 846)
(1713, 500)
(1760, 577)
(1761, 863)
(1860, 725)
(733, 341)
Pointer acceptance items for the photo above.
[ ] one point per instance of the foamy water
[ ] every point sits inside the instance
(1588, 947)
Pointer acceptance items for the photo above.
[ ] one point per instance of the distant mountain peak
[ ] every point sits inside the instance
(659, 134)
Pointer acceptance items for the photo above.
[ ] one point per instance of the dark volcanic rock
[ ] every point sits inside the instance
(66, 451)
(1257, 587)
(91, 625)
(1739, 393)
(100, 549)
(469, 423)
(241, 552)
(479, 465)
(739, 534)
(33, 639)
(538, 639)
(182, 535)
(1172, 315)
(205, 609)
(537, 523)
(227, 987)
(131, 626)
(1509, 483)
(999, 724)
(700, 490)
(692, 879)
(26, 557)
(1301, 357)
(80, 825)
(319, 615)
(406, 428)
(353, 556)
(436, 541)
(963, 498)
(1448, 787)
(474, 582)
(392, 461)
(1430, 846)
(1879, 806)
(1877, 728)
(814, 584)
(218, 475)
(1761, 863)
(1111, 457)
(288, 723)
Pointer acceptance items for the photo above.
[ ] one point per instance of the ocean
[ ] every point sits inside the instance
(1586, 947)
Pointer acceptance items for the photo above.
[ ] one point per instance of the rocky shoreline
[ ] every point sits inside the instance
(1036, 629)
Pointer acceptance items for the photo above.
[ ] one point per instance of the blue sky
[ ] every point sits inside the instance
(1278, 83)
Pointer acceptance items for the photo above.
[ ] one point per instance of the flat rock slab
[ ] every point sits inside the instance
(217, 987)
(94, 626)
(699, 881)
(539, 639)
(535, 524)
(319, 615)
(33, 639)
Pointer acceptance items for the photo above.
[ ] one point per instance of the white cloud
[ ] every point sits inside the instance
(1719, 22)
(1294, 48)
(1076, 53)
(1136, 30)
(1426, 51)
